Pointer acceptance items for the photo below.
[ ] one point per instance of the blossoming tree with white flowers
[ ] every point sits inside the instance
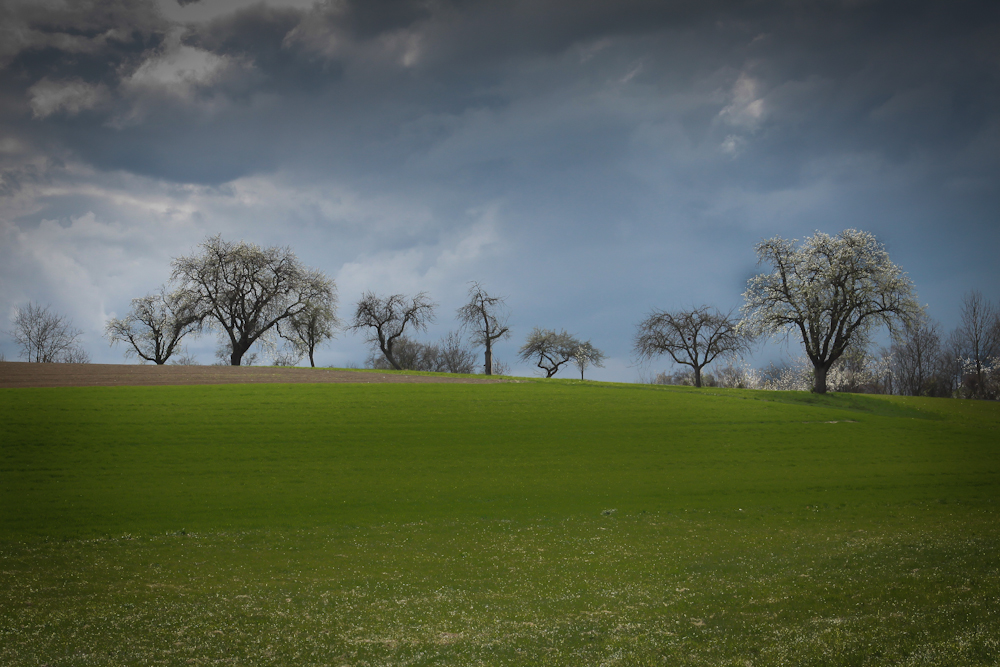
(830, 290)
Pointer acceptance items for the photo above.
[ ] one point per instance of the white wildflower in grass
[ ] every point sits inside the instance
(698, 589)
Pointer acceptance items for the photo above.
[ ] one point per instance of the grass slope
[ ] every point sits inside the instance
(93, 461)
(471, 524)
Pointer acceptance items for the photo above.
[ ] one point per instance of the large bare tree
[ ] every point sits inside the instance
(827, 291)
(694, 338)
(384, 319)
(552, 349)
(245, 290)
(977, 340)
(155, 324)
(45, 336)
(485, 318)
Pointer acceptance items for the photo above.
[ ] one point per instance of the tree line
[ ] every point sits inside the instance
(829, 293)
(251, 295)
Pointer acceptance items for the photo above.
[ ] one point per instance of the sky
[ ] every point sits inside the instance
(589, 160)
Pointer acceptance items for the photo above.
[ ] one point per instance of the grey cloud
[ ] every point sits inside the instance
(90, 39)
(259, 33)
(830, 77)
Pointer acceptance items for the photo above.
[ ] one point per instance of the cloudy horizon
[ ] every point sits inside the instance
(589, 161)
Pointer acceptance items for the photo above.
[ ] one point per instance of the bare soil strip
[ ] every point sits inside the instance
(14, 374)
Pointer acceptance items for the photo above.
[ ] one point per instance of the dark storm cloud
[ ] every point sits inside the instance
(258, 34)
(91, 39)
(899, 78)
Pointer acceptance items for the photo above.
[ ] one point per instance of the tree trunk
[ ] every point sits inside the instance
(489, 360)
(392, 361)
(697, 376)
(239, 349)
(819, 373)
(311, 362)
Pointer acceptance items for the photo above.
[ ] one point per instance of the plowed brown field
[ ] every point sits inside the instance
(23, 374)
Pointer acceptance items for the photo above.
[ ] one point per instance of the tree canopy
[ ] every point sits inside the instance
(244, 290)
(552, 349)
(383, 320)
(828, 291)
(45, 336)
(155, 324)
(311, 327)
(692, 338)
(485, 318)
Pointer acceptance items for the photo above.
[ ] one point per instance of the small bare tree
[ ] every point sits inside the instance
(45, 336)
(917, 360)
(552, 349)
(311, 327)
(244, 290)
(587, 355)
(184, 358)
(977, 340)
(384, 319)
(455, 356)
(485, 318)
(155, 325)
(694, 338)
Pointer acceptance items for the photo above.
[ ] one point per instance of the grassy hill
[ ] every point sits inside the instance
(547, 522)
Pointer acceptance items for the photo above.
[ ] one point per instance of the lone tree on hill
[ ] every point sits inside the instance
(154, 325)
(692, 338)
(45, 336)
(244, 290)
(311, 327)
(587, 355)
(485, 318)
(830, 291)
(384, 319)
(552, 349)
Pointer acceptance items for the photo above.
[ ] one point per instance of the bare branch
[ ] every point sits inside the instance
(155, 325)
(313, 326)
(692, 338)
(244, 290)
(977, 341)
(383, 320)
(552, 349)
(485, 318)
(46, 337)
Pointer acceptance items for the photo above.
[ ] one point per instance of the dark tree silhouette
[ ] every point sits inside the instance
(485, 318)
(154, 325)
(384, 319)
(244, 290)
(694, 338)
(551, 349)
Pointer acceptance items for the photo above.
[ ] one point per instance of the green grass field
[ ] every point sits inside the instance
(551, 522)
